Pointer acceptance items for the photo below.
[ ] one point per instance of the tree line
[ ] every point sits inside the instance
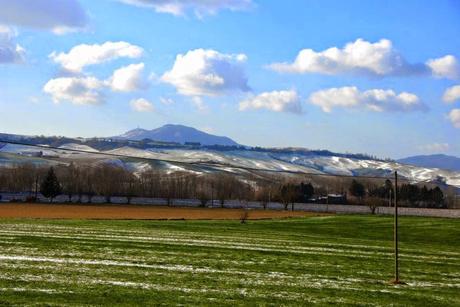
(409, 195)
(79, 181)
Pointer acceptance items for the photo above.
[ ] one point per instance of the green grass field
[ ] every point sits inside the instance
(342, 260)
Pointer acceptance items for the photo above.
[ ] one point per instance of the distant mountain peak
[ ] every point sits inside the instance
(441, 161)
(177, 133)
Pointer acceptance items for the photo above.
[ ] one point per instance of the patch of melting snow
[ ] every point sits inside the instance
(181, 268)
(251, 246)
(115, 233)
(53, 291)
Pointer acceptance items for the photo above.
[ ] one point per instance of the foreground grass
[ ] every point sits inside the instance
(344, 260)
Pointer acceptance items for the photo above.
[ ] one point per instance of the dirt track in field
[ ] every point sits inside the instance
(128, 212)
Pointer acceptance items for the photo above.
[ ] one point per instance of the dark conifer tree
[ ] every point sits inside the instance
(50, 186)
(357, 189)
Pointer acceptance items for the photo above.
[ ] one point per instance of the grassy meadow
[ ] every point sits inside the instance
(341, 260)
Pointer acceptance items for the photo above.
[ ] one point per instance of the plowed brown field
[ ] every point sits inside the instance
(120, 212)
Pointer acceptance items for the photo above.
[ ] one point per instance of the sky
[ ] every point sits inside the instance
(376, 77)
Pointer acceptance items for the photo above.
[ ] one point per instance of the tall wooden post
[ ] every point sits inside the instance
(396, 281)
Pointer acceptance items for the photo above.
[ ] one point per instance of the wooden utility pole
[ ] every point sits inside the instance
(396, 280)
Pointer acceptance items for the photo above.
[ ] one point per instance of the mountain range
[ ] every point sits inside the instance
(243, 161)
(178, 134)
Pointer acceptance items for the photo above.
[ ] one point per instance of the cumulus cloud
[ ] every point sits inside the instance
(445, 67)
(83, 55)
(129, 78)
(435, 147)
(277, 101)
(377, 100)
(77, 90)
(454, 117)
(141, 105)
(10, 51)
(55, 15)
(452, 94)
(199, 7)
(359, 57)
(203, 72)
(83, 89)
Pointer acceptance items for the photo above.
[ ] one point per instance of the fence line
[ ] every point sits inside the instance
(234, 204)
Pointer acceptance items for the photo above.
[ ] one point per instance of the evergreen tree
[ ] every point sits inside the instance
(437, 197)
(357, 189)
(306, 192)
(388, 188)
(50, 187)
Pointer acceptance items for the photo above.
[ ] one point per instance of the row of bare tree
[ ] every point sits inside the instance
(78, 180)
(109, 181)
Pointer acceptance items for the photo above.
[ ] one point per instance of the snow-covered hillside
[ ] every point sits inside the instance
(209, 161)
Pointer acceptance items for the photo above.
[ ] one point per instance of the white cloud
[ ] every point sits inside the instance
(83, 55)
(445, 67)
(454, 117)
(166, 101)
(277, 101)
(359, 57)
(435, 147)
(128, 78)
(376, 100)
(84, 89)
(203, 72)
(452, 94)
(199, 104)
(10, 51)
(141, 105)
(199, 7)
(77, 90)
(54, 15)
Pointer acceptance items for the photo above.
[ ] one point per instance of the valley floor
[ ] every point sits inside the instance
(345, 260)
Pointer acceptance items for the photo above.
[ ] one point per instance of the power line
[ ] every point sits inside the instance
(199, 163)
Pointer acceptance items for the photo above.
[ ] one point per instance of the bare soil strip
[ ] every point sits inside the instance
(132, 212)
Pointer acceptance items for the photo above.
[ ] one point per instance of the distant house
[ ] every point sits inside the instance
(333, 199)
(337, 199)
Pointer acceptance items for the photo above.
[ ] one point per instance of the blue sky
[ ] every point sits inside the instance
(389, 87)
